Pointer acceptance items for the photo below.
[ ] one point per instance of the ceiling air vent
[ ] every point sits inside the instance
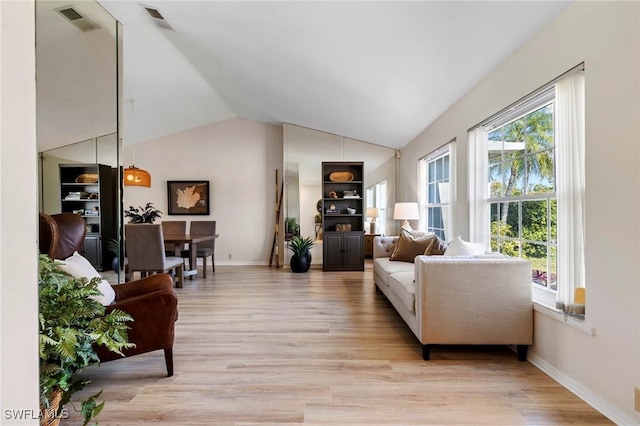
(157, 18)
(79, 21)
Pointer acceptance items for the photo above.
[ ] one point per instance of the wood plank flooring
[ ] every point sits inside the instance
(260, 346)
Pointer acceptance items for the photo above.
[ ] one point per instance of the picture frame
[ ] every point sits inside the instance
(188, 197)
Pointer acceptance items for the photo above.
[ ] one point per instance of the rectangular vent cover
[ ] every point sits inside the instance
(76, 19)
(157, 18)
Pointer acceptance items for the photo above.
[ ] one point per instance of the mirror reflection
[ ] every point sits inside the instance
(304, 151)
(77, 121)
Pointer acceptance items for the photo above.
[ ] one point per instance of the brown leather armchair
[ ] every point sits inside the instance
(150, 301)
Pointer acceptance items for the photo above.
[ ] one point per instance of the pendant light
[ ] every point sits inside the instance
(133, 176)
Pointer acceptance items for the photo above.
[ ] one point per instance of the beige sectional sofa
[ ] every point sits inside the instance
(448, 300)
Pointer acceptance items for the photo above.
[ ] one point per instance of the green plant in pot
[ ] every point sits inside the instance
(71, 323)
(291, 226)
(113, 246)
(146, 214)
(301, 259)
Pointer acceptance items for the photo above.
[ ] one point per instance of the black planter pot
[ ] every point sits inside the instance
(115, 264)
(300, 263)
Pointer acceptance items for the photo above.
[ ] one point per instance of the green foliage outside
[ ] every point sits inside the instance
(520, 172)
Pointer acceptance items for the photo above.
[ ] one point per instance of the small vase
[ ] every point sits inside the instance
(300, 263)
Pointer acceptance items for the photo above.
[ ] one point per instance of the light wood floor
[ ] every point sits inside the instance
(260, 346)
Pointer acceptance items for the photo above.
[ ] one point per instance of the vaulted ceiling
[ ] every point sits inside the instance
(380, 72)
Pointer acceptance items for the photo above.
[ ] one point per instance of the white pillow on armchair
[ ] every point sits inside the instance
(79, 267)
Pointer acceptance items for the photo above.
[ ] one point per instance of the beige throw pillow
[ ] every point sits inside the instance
(411, 244)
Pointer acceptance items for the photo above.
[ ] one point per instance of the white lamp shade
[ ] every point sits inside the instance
(406, 211)
(372, 212)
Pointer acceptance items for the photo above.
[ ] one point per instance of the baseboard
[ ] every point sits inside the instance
(611, 412)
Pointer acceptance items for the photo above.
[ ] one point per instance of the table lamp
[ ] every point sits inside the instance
(373, 213)
(406, 212)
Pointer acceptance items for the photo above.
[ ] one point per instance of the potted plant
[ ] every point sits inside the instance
(291, 228)
(113, 246)
(301, 259)
(71, 323)
(148, 214)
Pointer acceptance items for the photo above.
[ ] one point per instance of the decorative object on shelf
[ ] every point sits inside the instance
(188, 197)
(148, 214)
(87, 178)
(373, 213)
(341, 177)
(343, 227)
(71, 324)
(351, 211)
(333, 194)
(332, 209)
(406, 212)
(301, 259)
(350, 194)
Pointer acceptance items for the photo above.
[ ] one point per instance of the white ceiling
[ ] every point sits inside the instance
(380, 72)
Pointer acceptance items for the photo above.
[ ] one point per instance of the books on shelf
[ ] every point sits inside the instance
(77, 195)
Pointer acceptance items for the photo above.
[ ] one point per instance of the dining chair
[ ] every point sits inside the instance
(145, 252)
(205, 248)
(173, 227)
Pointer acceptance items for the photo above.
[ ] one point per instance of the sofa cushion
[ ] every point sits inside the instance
(459, 247)
(411, 244)
(384, 267)
(402, 285)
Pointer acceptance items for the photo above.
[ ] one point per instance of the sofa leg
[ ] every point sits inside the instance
(426, 352)
(168, 360)
(522, 352)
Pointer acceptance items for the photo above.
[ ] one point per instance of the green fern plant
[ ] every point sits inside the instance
(70, 324)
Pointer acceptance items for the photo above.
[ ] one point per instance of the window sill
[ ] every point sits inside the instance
(572, 322)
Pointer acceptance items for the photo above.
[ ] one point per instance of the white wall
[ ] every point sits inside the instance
(18, 215)
(239, 159)
(605, 36)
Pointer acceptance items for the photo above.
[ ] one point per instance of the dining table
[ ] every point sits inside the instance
(192, 241)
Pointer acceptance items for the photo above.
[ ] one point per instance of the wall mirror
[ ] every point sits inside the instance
(78, 79)
(304, 151)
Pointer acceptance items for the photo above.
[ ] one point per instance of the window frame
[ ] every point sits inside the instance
(425, 184)
(541, 294)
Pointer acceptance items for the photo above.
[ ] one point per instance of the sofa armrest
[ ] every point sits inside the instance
(474, 300)
(384, 246)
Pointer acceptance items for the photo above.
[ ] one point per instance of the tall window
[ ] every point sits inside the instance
(526, 186)
(521, 180)
(435, 189)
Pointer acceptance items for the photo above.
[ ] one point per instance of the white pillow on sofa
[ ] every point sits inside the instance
(79, 267)
(459, 247)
